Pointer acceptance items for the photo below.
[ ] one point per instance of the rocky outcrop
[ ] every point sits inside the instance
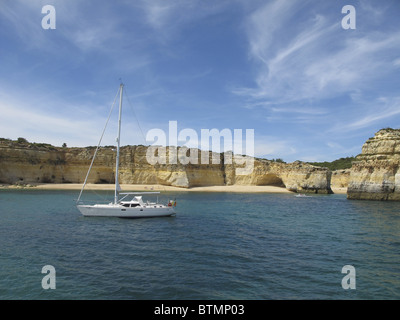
(375, 174)
(32, 163)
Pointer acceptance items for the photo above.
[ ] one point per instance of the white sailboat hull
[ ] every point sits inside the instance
(116, 210)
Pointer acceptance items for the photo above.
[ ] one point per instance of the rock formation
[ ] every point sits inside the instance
(375, 174)
(27, 163)
(340, 178)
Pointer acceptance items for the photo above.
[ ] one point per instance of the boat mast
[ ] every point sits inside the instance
(118, 145)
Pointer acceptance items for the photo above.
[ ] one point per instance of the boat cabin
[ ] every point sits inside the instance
(135, 202)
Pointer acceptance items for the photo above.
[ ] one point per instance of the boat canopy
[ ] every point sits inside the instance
(149, 192)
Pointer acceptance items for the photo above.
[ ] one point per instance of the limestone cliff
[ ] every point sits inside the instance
(340, 178)
(25, 163)
(375, 174)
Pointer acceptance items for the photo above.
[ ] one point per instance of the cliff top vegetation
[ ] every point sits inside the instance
(23, 143)
(339, 164)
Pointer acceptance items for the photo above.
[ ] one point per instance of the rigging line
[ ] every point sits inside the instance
(98, 146)
(144, 138)
(136, 118)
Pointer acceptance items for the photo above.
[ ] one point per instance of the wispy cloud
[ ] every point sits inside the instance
(75, 26)
(77, 121)
(162, 14)
(317, 60)
(298, 77)
(272, 147)
(158, 13)
(36, 126)
(374, 112)
(20, 16)
(396, 62)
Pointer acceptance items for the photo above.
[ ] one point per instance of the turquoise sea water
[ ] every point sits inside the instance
(219, 246)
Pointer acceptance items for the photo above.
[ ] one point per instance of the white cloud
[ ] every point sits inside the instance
(20, 16)
(263, 24)
(169, 18)
(373, 112)
(334, 145)
(44, 117)
(309, 77)
(310, 57)
(158, 13)
(48, 118)
(17, 121)
(273, 147)
(354, 67)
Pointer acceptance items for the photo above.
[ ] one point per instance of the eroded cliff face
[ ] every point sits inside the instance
(296, 176)
(30, 164)
(340, 178)
(375, 174)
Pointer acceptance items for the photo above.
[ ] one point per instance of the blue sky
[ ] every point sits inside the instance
(310, 89)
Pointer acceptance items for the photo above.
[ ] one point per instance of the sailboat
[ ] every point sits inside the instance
(131, 205)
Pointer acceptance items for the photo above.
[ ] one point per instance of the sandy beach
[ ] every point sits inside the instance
(339, 190)
(142, 187)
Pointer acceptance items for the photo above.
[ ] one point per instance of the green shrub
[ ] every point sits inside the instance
(22, 140)
(339, 164)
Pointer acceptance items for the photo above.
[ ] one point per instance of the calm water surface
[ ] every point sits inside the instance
(219, 246)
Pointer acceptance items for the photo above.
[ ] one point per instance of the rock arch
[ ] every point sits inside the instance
(269, 179)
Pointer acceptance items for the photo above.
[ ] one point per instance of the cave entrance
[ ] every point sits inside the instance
(270, 179)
